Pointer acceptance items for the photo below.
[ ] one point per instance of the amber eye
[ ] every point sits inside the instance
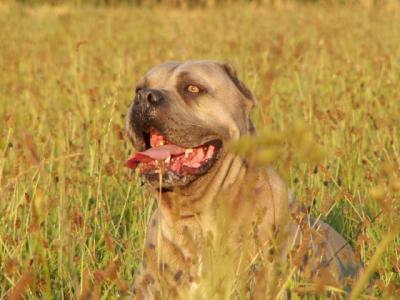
(193, 89)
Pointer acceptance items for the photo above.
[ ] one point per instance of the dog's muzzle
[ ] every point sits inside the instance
(146, 99)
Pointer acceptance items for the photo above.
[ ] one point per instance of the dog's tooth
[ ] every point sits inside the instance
(187, 152)
(161, 142)
(167, 160)
(210, 151)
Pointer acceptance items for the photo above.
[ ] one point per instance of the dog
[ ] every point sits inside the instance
(182, 118)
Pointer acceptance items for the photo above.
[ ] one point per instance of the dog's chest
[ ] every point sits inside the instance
(189, 237)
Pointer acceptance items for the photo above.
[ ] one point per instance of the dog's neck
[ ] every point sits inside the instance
(200, 195)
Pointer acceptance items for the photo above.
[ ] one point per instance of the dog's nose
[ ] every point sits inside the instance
(150, 95)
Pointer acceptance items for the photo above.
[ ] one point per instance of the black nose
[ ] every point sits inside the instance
(150, 96)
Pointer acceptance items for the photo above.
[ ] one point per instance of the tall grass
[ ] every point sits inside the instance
(73, 218)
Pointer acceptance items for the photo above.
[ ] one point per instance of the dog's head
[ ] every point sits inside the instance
(182, 116)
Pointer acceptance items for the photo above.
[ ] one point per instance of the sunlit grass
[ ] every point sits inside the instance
(73, 218)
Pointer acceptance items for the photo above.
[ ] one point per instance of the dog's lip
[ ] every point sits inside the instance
(204, 142)
(141, 144)
(189, 160)
(163, 152)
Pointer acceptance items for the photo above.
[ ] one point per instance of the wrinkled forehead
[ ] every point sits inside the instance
(207, 72)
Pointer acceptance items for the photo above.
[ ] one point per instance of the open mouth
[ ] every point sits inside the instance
(174, 161)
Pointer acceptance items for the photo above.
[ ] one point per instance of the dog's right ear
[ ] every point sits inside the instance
(231, 71)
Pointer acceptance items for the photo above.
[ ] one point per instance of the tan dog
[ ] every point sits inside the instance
(181, 120)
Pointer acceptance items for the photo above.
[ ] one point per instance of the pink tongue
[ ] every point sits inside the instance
(156, 153)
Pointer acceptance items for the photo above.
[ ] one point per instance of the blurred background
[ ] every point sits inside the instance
(72, 217)
(196, 3)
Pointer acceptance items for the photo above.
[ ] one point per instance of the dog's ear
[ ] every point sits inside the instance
(231, 71)
(244, 90)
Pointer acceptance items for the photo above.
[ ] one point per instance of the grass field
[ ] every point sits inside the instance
(72, 217)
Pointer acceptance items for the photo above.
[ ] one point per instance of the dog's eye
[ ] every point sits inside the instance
(192, 89)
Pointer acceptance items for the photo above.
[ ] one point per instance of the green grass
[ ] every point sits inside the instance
(72, 217)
